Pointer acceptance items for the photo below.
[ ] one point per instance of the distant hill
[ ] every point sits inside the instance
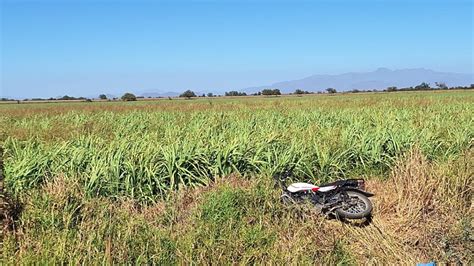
(165, 94)
(159, 94)
(378, 79)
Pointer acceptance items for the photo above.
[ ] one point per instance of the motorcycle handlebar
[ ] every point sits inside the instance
(285, 173)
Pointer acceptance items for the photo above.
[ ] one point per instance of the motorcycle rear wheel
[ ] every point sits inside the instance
(358, 207)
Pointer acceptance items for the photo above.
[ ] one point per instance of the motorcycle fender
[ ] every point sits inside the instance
(363, 192)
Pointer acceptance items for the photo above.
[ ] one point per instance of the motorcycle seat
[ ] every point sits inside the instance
(340, 183)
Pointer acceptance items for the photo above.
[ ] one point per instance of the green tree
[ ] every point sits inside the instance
(331, 90)
(423, 86)
(129, 97)
(188, 94)
(103, 97)
(67, 98)
(271, 92)
(441, 85)
(235, 93)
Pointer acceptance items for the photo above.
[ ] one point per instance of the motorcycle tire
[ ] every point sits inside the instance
(362, 210)
(286, 199)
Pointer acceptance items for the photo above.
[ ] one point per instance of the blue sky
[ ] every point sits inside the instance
(83, 48)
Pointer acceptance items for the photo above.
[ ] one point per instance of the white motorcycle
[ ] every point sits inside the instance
(342, 199)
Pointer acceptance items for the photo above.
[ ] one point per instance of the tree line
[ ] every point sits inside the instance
(266, 92)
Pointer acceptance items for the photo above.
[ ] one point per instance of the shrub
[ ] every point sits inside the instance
(271, 92)
(188, 94)
(128, 97)
(235, 93)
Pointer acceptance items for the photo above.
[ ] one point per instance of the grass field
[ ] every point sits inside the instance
(181, 181)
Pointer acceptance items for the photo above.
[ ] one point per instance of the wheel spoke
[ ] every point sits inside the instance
(355, 205)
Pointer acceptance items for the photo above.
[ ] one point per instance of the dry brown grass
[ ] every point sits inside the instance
(5, 203)
(418, 217)
(418, 214)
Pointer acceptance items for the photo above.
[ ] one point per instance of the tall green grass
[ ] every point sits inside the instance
(144, 150)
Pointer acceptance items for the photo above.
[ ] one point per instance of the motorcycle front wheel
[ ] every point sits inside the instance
(286, 198)
(356, 206)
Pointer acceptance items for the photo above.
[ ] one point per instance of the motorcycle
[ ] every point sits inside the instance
(343, 199)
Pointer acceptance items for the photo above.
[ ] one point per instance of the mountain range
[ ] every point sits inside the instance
(378, 79)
